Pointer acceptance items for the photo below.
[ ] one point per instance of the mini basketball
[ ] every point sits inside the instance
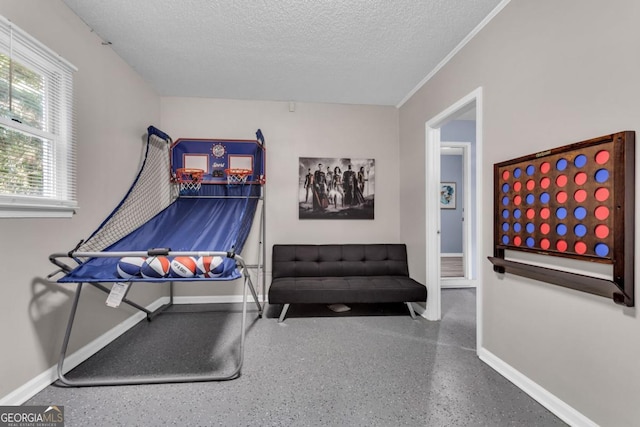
(182, 266)
(129, 267)
(155, 267)
(202, 265)
(216, 267)
(208, 266)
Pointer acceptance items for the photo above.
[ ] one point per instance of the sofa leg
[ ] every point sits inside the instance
(411, 312)
(283, 313)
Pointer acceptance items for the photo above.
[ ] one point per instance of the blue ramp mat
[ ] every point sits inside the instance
(188, 224)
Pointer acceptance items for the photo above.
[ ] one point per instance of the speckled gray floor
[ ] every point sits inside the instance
(372, 366)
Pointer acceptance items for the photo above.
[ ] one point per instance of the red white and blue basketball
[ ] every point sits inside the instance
(155, 267)
(202, 265)
(208, 266)
(216, 267)
(183, 266)
(129, 267)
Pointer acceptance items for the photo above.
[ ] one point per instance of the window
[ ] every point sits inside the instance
(37, 147)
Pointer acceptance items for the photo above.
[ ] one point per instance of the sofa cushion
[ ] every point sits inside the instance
(350, 289)
(339, 260)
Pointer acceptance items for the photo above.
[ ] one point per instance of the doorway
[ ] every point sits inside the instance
(469, 105)
(458, 249)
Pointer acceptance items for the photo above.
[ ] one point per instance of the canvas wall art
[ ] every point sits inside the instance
(336, 188)
(448, 195)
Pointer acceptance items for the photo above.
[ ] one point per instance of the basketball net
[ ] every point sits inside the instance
(237, 176)
(189, 180)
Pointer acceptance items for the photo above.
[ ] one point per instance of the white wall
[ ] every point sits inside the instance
(552, 73)
(114, 107)
(313, 130)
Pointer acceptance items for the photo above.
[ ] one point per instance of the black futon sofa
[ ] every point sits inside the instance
(351, 273)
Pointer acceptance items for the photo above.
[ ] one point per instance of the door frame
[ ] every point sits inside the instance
(433, 310)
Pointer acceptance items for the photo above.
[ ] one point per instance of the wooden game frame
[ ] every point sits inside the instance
(620, 205)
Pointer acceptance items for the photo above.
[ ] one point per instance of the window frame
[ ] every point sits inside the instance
(35, 56)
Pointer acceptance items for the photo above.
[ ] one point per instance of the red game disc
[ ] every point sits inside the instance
(517, 241)
(545, 167)
(602, 194)
(561, 197)
(545, 182)
(545, 244)
(602, 231)
(531, 213)
(505, 175)
(545, 213)
(545, 228)
(580, 196)
(580, 178)
(561, 245)
(602, 157)
(580, 247)
(517, 200)
(530, 184)
(602, 213)
(517, 186)
(561, 180)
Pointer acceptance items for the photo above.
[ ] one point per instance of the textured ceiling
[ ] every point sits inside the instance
(348, 51)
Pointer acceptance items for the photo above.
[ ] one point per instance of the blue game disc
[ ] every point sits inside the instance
(505, 239)
(517, 172)
(530, 199)
(530, 242)
(505, 213)
(516, 213)
(602, 175)
(505, 187)
(580, 230)
(544, 198)
(580, 212)
(580, 160)
(517, 227)
(602, 249)
(530, 170)
(530, 227)
(561, 213)
(561, 164)
(505, 200)
(561, 229)
(505, 226)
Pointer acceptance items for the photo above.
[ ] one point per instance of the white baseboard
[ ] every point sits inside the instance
(208, 299)
(557, 406)
(39, 383)
(454, 282)
(451, 255)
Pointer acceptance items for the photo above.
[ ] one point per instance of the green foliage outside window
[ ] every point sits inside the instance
(21, 163)
(22, 156)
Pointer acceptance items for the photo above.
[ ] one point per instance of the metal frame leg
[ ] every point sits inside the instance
(253, 292)
(156, 379)
(411, 312)
(67, 334)
(283, 313)
(124, 300)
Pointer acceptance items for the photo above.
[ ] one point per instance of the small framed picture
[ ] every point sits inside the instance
(447, 195)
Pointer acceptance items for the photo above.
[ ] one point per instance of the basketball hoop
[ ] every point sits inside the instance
(237, 176)
(189, 180)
